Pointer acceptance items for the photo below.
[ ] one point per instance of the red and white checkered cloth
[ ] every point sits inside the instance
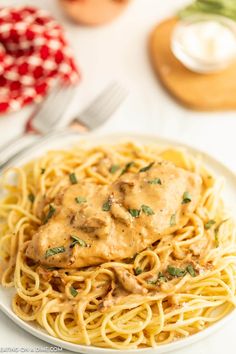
(33, 54)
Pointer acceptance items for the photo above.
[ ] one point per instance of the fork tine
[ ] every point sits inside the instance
(104, 98)
(58, 96)
(57, 105)
(103, 106)
(112, 104)
(53, 108)
(100, 116)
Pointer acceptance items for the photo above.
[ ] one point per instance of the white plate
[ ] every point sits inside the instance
(66, 141)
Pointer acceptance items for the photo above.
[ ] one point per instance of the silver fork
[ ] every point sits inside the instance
(94, 115)
(45, 117)
(102, 107)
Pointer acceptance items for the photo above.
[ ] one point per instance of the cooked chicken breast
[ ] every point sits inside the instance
(92, 224)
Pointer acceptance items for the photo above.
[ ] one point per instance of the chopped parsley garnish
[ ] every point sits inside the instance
(152, 282)
(80, 200)
(154, 181)
(73, 291)
(217, 239)
(114, 168)
(217, 243)
(77, 241)
(147, 210)
(173, 220)
(138, 271)
(161, 277)
(43, 171)
(209, 224)
(176, 272)
(134, 212)
(73, 178)
(52, 251)
(186, 198)
(191, 270)
(146, 168)
(31, 197)
(50, 213)
(144, 208)
(127, 167)
(107, 205)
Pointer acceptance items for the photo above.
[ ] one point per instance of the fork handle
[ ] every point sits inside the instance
(36, 143)
(12, 146)
(18, 144)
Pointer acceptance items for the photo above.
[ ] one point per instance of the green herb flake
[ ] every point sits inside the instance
(52, 251)
(43, 171)
(154, 181)
(191, 270)
(50, 213)
(217, 239)
(134, 212)
(152, 282)
(127, 167)
(73, 291)
(114, 168)
(77, 241)
(186, 198)
(31, 197)
(107, 205)
(138, 271)
(146, 168)
(209, 224)
(80, 200)
(147, 210)
(176, 272)
(173, 220)
(161, 277)
(73, 178)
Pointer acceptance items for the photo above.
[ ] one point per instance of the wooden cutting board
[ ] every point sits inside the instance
(197, 91)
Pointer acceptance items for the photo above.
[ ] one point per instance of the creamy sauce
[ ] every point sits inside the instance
(139, 209)
(209, 41)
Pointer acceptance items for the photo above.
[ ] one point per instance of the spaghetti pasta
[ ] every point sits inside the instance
(71, 303)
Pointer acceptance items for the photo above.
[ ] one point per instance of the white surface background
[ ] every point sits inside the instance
(119, 51)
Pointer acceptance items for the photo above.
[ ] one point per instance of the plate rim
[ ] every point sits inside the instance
(163, 348)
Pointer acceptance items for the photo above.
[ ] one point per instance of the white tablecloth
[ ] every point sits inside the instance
(119, 51)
